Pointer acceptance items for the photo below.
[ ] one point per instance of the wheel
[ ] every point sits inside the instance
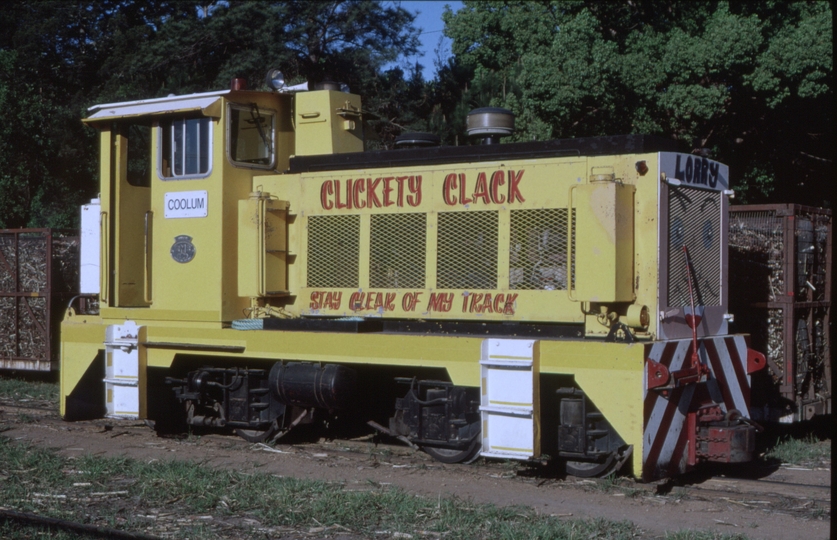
(259, 435)
(449, 455)
(591, 469)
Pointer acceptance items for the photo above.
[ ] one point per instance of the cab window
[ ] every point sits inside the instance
(139, 153)
(186, 148)
(251, 136)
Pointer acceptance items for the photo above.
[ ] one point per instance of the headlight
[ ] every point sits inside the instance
(275, 79)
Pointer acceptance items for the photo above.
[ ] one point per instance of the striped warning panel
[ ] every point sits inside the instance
(665, 439)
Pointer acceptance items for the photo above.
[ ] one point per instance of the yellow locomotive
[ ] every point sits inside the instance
(257, 270)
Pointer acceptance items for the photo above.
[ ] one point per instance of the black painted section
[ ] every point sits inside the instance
(585, 146)
(492, 329)
(324, 325)
(459, 328)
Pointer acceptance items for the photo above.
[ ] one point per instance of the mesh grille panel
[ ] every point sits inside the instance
(333, 251)
(397, 251)
(467, 250)
(694, 221)
(538, 249)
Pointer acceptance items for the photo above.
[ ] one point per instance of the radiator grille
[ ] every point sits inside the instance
(333, 251)
(694, 221)
(538, 249)
(467, 250)
(397, 251)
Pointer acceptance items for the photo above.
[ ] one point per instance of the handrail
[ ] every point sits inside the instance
(104, 233)
(262, 285)
(146, 291)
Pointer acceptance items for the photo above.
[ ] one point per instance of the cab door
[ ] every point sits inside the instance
(125, 217)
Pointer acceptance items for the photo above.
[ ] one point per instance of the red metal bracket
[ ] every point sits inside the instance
(755, 361)
(657, 374)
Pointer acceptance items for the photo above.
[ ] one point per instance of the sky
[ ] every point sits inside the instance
(430, 21)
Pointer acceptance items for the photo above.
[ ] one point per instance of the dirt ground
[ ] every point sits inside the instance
(794, 503)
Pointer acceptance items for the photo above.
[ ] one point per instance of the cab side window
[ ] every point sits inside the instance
(139, 153)
(186, 148)
(251, 135)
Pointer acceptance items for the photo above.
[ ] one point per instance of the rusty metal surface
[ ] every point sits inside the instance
(782, 258)
(38, 276)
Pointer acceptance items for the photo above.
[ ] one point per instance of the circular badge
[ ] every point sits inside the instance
(183, 250)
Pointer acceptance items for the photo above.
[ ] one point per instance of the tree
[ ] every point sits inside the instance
(51, 53)
(747, 82)
(58, 58)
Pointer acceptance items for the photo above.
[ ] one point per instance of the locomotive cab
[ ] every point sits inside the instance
(173, 172)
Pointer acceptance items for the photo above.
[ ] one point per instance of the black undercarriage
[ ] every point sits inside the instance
(443, 419)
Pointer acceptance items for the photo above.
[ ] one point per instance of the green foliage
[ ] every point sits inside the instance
(17, 389)
(59, 58)
(37, 479)
(805, 451)
(748, 82)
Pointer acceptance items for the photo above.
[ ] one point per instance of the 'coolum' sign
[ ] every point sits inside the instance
(186, 204)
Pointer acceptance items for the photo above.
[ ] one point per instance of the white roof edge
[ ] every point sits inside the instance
(167, 99)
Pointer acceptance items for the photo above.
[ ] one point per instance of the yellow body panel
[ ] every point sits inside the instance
(501, 191)
(82, 337)
(610, 373)
(327, 122)
(604, 241)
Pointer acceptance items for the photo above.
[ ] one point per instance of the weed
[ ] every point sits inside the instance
(805, 451)
(607, 483)
(186, 490)
(23, 418)
(19, 389)
(510, 465)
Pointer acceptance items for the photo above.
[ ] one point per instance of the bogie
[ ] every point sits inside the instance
(440, 417)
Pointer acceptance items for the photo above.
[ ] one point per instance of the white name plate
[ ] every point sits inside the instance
(186, 204)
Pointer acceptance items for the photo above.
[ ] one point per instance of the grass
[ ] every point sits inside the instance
(807, 450)
(21, 389)
(29, 475)
(34, 479)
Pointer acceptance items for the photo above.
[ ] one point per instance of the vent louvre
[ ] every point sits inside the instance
(333, 251)
(397, 251)
(694, 221)
(467, 250)
(538, 249)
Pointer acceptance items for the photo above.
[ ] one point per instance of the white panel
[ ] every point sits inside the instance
(125, 333)
(164, 105)
(509, 436)
(122, 370)
(508, 387)
(125, 363)
(122, 401)
(519, 350)
(508, 398)
(90, 248)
